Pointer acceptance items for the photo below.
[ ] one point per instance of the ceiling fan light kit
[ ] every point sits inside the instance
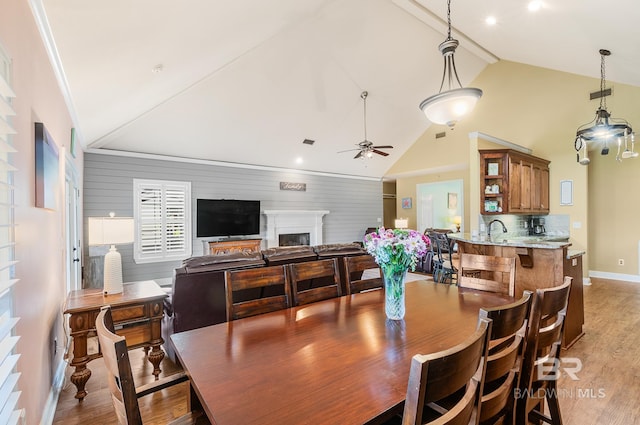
(604, 129)
(365, 148)
(448, 107)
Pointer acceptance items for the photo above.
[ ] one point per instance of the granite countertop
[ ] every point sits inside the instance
(543, 242)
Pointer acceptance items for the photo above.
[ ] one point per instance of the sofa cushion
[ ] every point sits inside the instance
(288, 254)
(208, 263)
(339, 249)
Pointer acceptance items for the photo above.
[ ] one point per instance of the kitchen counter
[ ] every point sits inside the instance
(543, 242)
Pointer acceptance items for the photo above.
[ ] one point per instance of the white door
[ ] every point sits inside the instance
(74, 248)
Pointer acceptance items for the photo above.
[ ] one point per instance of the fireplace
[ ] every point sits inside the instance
(288, 222)
(293, 239)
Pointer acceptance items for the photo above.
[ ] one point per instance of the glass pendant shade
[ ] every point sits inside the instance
(449, 106)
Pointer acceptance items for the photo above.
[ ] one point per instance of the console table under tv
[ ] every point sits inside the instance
(234, 245)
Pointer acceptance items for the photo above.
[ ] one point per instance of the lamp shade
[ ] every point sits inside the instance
(401, 223)
(110, 230)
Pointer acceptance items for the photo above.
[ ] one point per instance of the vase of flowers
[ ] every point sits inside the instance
(396, 251)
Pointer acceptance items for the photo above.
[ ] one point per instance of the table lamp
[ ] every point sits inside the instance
(457, 220)
(111, 231)
(401, 223)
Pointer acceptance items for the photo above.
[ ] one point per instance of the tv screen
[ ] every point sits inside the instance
(227, 217)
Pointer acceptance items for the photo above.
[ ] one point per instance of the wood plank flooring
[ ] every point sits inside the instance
(606, 392)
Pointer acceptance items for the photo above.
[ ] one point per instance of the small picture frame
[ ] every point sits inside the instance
(493, 169)
(406, 203)
(452, 201)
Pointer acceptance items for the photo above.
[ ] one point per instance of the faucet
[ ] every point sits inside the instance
(504, 228)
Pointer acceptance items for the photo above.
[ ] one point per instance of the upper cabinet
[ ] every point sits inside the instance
(512, 182)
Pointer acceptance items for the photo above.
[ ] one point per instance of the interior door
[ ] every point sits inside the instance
(73, 251)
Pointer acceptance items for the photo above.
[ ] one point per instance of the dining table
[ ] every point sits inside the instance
(337, 361)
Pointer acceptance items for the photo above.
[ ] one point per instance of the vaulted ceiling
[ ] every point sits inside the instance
(247, 81)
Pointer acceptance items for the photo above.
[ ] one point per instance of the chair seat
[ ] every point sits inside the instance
(191, 418)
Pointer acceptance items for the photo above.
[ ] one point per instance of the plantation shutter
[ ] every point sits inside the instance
(162, 213)
(9, 393)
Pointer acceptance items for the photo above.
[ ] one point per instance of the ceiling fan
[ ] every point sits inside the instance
(366, 148)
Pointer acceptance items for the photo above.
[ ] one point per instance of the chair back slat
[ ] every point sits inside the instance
(273, 279)
(437, 376)
(322, 276)
(487, 273)
(354, 268)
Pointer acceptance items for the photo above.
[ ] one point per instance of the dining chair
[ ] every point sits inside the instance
(443, 376)
(355, 272)
(541, 360)
(264, 289)
(487, 273)
(124, 394)
(506, 347)
(313, 281)
(443, 269)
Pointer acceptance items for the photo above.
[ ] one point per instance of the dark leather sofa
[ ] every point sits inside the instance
(197, 297)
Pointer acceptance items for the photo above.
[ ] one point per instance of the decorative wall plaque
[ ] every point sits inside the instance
(298, 187)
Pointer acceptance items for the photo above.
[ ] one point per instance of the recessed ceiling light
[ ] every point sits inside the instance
(534, 5)
(299, 160)
(490, 20)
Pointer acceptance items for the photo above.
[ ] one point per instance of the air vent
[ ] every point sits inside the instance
(308, 142)
(598, 94)
(441, 135)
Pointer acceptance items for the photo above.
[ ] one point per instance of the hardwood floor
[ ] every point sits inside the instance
(606, 392)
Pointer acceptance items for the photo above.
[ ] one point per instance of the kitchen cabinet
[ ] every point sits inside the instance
(512, 182)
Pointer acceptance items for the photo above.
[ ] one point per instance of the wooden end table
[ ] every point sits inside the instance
(137, 315)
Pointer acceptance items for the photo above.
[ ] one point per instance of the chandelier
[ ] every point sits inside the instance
(449, 106)
(604, 129)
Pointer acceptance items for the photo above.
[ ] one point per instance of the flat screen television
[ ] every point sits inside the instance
(227, 217)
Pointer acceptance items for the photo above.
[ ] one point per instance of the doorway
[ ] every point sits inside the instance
(440, 205)
(72, 231)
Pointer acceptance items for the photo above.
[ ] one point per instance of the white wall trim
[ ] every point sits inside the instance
(227, 164)
(498, 141)
(615, 276)
(426, 171)
(49, 410)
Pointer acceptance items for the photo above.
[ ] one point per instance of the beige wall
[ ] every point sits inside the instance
(540, 109)
(40, 238)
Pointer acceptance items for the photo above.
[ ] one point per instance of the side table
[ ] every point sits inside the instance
(137, 315)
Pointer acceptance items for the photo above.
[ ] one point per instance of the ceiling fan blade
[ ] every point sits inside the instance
(358, 155)
(349, 150)
(382, 147)
(380, 152)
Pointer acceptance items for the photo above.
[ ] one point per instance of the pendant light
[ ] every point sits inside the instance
(449, 106)
(603, 129)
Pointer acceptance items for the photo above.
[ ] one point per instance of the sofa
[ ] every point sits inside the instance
(197, 296)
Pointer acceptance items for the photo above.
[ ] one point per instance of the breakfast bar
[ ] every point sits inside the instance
(541, 262)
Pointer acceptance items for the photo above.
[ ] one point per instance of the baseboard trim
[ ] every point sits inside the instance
(49, 410)
(615, 276)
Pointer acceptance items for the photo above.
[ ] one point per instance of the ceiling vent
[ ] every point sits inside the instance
(308, 142)
(598, 94)
(441, 135)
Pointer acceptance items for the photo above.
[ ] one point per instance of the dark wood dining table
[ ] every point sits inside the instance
(338, 361)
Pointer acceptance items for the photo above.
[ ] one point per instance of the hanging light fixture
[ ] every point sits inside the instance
(449, 106)
(603, 129)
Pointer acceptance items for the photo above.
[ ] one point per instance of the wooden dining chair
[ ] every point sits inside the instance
(124, 394)
(506, 347)
(487, 273)
(354, 272)
(313, 281)
(268, 286)
(541, 361)
(443, 375)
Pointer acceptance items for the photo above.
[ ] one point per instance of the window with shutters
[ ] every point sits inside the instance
(9, 393)
(162, 214)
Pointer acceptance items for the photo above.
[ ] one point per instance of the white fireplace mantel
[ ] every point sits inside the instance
(294, 221)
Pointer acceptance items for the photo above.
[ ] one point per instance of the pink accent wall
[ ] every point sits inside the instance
(40, 233)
